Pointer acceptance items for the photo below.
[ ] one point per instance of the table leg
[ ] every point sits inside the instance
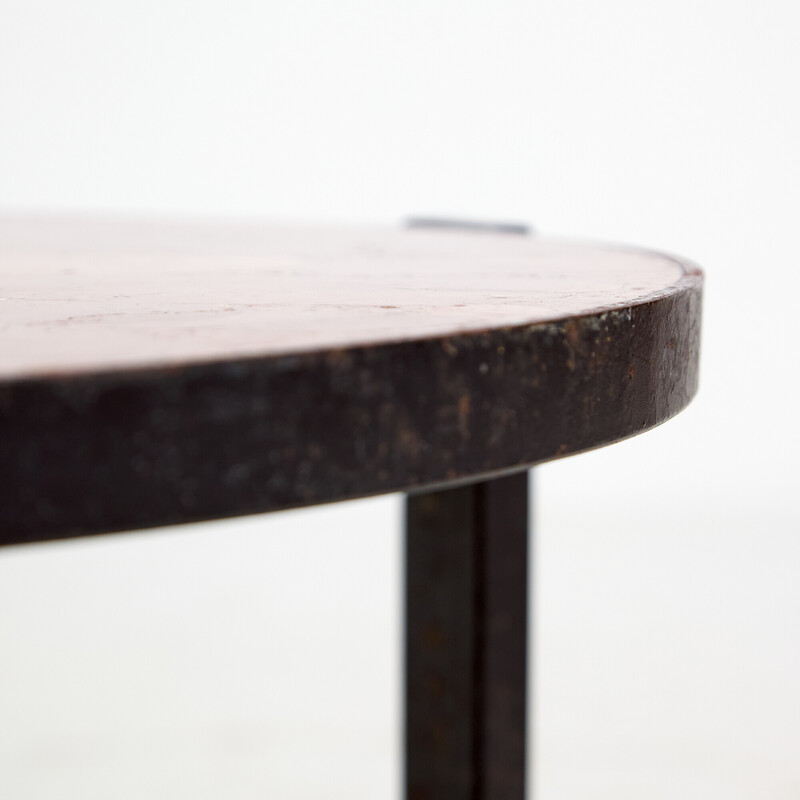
(466, 641)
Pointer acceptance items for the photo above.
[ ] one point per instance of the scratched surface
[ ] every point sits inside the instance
(152, 375)
(82, 295)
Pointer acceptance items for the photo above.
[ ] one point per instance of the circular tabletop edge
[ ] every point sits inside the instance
(147, 447)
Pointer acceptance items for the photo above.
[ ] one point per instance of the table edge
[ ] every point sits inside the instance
(147, 447)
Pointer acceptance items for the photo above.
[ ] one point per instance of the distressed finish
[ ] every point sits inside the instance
(157, 374)
(81, 296)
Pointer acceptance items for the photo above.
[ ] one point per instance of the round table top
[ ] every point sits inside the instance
(155, 373)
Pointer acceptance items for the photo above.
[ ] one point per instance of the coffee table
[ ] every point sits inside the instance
(157, 373)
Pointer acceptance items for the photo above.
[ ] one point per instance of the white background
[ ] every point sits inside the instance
(261, 657)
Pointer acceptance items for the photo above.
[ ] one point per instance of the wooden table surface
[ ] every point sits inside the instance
(154, 373)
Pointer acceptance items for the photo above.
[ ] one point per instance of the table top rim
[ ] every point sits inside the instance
(160, 445)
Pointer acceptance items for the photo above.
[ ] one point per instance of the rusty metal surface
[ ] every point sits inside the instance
(466, 634)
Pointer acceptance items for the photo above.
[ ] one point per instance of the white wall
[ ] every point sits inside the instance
(263, 654)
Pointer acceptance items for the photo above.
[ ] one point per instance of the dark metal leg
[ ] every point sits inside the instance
(466, 641)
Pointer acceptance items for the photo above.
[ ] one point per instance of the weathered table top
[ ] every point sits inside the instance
(154, 373)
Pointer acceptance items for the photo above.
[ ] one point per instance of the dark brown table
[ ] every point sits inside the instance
(161, 373)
